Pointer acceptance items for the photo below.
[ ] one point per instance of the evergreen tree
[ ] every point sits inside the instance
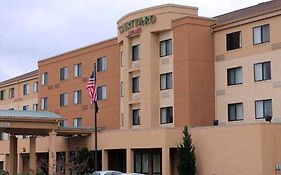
(186, 155)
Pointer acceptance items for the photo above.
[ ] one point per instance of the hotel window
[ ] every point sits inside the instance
(166, 81)
(165, 47)
(77, 122)
(64, 99)
(136, 84)
(11, 92)
(63, 123)
(234, 76)
(77, 97)
(136, 116)
(25, 89)
(122, 89)
(233, 41)
(121, 58)
(35, 107)
(235, 112)
(102, 64)
(101, 93)
(263, 108)
(262, 71)
(64, 73)
(147, 162)
(77, 70)
(166, 115)
(44, 78)
(135, 52)
(261, 34)
(2, 94)
(35, 87)
(44, 103)
(25, 108)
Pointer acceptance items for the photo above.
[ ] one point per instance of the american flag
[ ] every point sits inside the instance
(92, 89)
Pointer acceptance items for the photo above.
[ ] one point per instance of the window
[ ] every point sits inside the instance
(64, 73)
(262, 71)
(35, 107)
(233, 40)
(44, 103)
(147, 162)
(2, 95)
(166, 48)
(235, 112)
(77, 122)
(77, 97)
(25, 89)
(122, 89)
(77, 70)
(101, 93)
(44, 78)
(234, 76)
(136, 84)
(25, 108)
(63, 123)
(263, 108)
(166, 81)
(11, 109)
(121, 58)
(136, 116)
(1, 137)
(135, 52)
(102, 64)
(261, 34)
(166, 115)
(11, 92)
(35, 87)
(64, 99)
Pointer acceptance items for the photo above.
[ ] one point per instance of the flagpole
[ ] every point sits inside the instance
(96, 133)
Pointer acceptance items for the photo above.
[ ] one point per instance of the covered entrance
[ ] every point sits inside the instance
(35, 125)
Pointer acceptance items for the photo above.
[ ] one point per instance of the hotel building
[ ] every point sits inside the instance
(167, 68)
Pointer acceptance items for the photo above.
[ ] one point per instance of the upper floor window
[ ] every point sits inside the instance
(63, 123)
(165, 47)
(63, 99)
(11, 92)
(25, 89)
(44, 78)
(64, 73)
(2, 95)
(166, 115)
(135, 52)
(77, 122)
(233, 40)
(44, 103)
(166, 81)
(261, 34)
(136, 84)
(235, 112)
(122, 89)
(35, 87)
(101, 93)
(102, 64)
(234, 76)
(136, 116)
(121, 59)
(77, 97)
(25, 108)
(262, 71)
(35, 107)
(77, 70)
(263, 108)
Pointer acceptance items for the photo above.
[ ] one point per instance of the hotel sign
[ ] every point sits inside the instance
(143, 21)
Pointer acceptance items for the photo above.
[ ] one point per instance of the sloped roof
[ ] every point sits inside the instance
(259, 9)
(29, 114)
(21, 77)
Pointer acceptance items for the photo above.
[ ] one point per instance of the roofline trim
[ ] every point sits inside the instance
(157, 7)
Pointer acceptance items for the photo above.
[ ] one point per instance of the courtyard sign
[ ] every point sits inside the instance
(143, 21)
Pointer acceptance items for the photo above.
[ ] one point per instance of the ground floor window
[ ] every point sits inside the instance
(147, 162)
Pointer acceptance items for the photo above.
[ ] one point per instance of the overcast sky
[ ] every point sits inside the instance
(31, 30)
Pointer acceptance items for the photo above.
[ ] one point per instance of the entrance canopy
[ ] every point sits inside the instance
(38, 123)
